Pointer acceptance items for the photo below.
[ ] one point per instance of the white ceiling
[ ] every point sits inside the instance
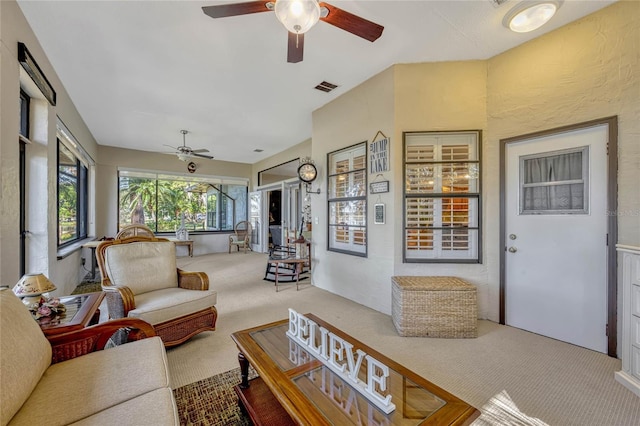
(140, 71)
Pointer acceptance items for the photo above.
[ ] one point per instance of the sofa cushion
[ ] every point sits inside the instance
(163, 305)
(155, 408)
(142, 266)
(78, 388)
(25, 354)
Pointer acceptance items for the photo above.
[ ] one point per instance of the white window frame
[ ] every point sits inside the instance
(425, 192)
(355, 195)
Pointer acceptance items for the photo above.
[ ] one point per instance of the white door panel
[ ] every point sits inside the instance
(556, 267)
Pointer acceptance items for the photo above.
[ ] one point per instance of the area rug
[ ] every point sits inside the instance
(87, 287)
(212, 401)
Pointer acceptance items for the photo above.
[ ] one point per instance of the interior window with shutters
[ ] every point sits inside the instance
(442, 197)
(347, 187)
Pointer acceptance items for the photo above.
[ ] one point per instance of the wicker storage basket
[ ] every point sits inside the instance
(434, 307)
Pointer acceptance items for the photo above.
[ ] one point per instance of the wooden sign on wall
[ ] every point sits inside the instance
(379, 150)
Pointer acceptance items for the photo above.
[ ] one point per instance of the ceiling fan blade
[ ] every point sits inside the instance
(201, 155)
(234, 9)
(200, 150)
(296, 48)
(352, 23)
(172, 147)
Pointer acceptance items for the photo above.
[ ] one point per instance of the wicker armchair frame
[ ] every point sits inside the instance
(76, 343)
(241, 236)
(135, 230)
(121, 300)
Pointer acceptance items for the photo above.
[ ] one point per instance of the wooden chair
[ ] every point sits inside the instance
(135, 230)
(141, 280)
(241, 236)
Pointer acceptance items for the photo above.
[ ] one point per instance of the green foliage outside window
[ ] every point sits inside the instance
(161, 204)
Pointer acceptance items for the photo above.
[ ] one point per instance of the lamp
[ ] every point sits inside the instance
(31, 287)
(530, 15)
(298, 16)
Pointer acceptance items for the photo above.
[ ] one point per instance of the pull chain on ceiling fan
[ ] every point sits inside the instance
(298, 16)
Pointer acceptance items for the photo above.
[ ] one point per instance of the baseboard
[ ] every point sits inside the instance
(628, 382)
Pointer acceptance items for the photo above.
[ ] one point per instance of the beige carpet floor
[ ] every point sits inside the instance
(557, 382)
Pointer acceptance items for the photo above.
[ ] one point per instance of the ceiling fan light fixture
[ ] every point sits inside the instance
(530, 15)
(298, 16)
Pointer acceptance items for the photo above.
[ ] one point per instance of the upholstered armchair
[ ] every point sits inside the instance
(68, 379)
(241, 238)
(141, 280)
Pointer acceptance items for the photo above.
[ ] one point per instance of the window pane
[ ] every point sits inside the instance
(419, 212)
(458, 244)
(437, 178)
(67, 195)
(554, 183)
(347, 213)
(165, 204)
(138, 202)
(419, 239)
(72, 196)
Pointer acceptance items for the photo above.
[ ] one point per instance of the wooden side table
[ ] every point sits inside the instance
(82, 311)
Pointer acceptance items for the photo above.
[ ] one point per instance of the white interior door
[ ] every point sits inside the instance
(285, 212)
(556, 233)
(255, 218)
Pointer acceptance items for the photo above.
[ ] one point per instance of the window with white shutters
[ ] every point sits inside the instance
(347, 188)
(442, 197)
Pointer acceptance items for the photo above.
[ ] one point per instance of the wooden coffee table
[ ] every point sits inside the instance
(82, 311)
(293, 387)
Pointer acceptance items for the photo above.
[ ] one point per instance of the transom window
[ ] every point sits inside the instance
(347, 187)
(164, 202)
(442, 197)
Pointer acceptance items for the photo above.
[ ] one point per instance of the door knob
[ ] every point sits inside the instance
(512, 249)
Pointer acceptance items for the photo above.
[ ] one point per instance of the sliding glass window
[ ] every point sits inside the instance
(347, 188)
(164, 202)
(442, 197)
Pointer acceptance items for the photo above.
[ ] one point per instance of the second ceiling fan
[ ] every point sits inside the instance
(298, 16)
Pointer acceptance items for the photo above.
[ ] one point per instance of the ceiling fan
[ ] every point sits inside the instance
(298, 16)
(185, 152)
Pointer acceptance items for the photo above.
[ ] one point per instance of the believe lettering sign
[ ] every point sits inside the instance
(337, 354)
(379, 156)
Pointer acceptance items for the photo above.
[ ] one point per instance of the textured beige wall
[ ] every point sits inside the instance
(586, 70)
(64, 272)
(435, 97)
(355, 117)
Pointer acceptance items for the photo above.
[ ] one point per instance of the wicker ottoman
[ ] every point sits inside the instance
(434, 307)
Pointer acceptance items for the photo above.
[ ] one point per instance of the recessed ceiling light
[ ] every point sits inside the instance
(530, 15)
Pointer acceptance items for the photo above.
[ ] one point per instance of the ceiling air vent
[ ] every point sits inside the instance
(325, 86)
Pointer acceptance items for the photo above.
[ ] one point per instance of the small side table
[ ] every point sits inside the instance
(297, 268)
(82, 311)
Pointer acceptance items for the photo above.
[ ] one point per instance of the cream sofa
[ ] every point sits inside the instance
(127, 384)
